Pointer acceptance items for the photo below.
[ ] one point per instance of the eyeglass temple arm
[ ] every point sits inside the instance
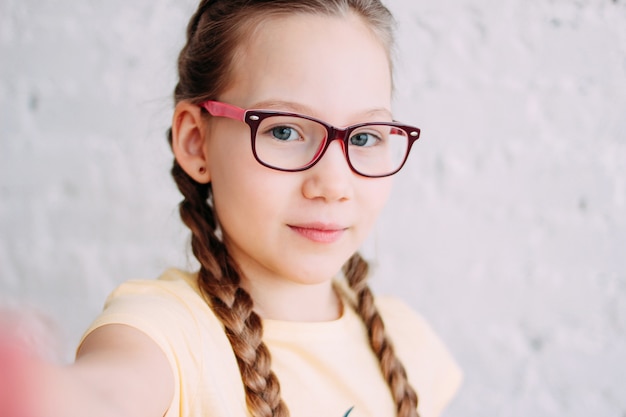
(219, 109)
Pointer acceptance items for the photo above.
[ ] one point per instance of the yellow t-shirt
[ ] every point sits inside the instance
(324, 369)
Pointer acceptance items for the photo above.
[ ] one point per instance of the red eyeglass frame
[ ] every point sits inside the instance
(253, 119)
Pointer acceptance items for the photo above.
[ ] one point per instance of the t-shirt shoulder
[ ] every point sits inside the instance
(167, 310)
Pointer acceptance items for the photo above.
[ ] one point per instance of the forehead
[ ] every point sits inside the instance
(334, 65)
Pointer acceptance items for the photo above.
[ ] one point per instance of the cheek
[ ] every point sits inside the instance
(229, 161)
(227, 148)
(375, 193)
(248, 196)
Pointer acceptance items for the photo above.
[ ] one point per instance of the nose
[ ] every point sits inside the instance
(330, 178)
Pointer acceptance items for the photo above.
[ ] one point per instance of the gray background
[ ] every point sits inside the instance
(507, 230)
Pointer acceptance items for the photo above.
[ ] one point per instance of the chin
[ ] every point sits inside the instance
(316, 275)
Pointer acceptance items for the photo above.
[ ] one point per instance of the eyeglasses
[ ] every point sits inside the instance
(293, 142)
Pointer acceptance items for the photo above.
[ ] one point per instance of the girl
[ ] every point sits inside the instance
(284, 148)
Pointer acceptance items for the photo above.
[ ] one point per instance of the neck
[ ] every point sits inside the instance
(291, 301)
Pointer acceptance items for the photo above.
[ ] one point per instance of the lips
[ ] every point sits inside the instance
(319, 232)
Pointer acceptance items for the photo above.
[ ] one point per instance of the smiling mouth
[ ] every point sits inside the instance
(319, 233)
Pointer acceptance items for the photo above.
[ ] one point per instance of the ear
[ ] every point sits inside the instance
(188, 141)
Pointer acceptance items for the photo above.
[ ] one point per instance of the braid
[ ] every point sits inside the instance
(404, 395)
(219, 279)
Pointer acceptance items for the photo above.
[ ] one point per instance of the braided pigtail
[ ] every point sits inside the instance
(355, 271)
(219, 279)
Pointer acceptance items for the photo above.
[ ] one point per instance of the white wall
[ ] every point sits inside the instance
(507, 231)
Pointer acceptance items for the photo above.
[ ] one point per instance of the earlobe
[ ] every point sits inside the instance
(188, 141)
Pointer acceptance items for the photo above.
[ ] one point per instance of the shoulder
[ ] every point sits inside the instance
(173, 283)
(396, 312)
(156, 304)
(408, 330)
(165, 308)
(430, 366)
(172, 312)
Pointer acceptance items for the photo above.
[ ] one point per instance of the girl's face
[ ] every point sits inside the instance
(299, 226)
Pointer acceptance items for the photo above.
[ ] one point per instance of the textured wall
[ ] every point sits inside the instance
(507, 231)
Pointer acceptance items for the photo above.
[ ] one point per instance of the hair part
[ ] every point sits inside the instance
(216, 34)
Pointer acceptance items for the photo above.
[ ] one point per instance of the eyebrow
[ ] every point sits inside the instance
(294, 107)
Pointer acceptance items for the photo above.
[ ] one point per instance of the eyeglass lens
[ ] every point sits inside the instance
(292, 143)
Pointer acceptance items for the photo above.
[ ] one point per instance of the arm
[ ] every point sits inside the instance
(119, 372)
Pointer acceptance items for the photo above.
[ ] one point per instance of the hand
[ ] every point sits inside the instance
(25, 337)
(17, 373)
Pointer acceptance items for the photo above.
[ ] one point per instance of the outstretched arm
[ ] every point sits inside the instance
(118, 372)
